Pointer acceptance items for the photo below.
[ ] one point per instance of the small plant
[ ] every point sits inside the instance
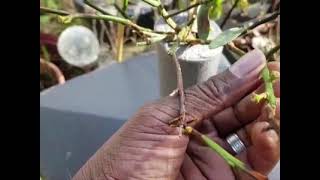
(200, 12)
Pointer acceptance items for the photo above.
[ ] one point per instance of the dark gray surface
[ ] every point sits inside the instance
(79, 116)
(68, 139)
(114, 91)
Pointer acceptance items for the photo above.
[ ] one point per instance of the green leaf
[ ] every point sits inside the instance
(51, 4)
(243, 4)
(216, 9)
(215, 12)
(125, 4)
(203, 22)
(225, 37)
(65, 19)
(182, 4)
(44, 19)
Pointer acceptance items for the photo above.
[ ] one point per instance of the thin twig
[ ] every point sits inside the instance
(262, 21)
(186, 9)
(163, 12)
(87, 2)
(191, 21)
(229, 13)
(123, 14)
(154, 3)
(54, 11)
(102, 17)
(102, 32)
(180, 88)
(119, 42)
(272, 51)
(192, 18)
(229, 158)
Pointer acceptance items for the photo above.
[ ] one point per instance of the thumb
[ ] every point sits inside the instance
(223, 90)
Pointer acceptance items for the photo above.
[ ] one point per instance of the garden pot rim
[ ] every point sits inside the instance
(55, 72)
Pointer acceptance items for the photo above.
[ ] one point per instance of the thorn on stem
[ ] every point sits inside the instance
(174, 92)
(257, 98)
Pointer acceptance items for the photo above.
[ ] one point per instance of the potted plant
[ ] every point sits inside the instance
(177, 45)
(50, 74)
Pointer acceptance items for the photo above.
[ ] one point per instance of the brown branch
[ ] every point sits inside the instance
(262, 21)
(272, 51)
(186, 9)
(87, 2)
(54, 11)
(123, 14)
(229, 13)
(112, 18)
(180, 88)
(163, 12)
(192, 18)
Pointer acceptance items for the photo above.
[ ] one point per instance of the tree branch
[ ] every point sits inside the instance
(272, 51)
(123, 14)
(229, 14)
(163, 12)
(181, 91)
(87, 2)
(69, 17)
(186, 9)
(262, 21)
(54, 11)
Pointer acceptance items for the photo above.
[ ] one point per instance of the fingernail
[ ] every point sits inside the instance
(254, 60)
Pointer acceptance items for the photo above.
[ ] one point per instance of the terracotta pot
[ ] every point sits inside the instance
(52, 70)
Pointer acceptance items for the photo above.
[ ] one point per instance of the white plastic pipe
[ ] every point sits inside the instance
(198, 62)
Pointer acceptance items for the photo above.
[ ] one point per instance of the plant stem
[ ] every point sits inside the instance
(123, 14)
(120, 33)
(271, 99)
(54, 11)
(192, 18)
(180, 88)
(186, 9)
(87, 2)
(99, 16)
(45, 52)
(230, 159)
(268, 81)
(262, 21)
(154, 3)
(106, 17)
(272, 51)
(163, 12)
(229, 13)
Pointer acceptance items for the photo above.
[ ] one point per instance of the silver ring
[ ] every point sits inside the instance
(235, 143)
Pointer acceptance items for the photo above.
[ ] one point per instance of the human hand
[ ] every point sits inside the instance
(146, 147)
